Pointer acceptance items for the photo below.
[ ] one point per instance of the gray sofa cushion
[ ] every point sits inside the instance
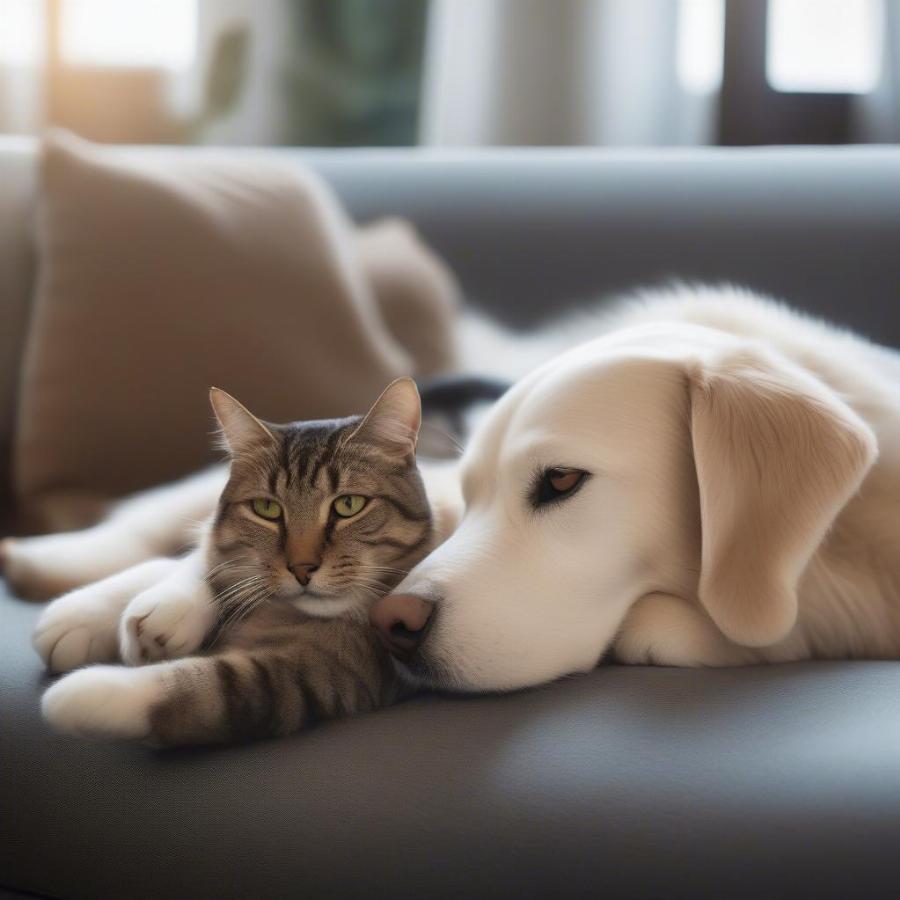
(629, 782)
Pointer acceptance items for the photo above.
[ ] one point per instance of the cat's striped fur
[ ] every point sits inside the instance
(272, 676)
(283, 651)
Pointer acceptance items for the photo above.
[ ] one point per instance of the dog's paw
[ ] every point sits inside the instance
(82, 627)
(167, 621)
(77, 629)
(38, 568)
(43, 567)
(104, 702)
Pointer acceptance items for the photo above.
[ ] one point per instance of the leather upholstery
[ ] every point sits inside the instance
(629, 782)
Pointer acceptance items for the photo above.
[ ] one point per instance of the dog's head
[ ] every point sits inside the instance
(668, 459)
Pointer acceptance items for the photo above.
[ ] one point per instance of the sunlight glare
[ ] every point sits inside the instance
(137, 33)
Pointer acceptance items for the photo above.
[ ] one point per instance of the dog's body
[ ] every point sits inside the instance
(738, 502)
(734, 511)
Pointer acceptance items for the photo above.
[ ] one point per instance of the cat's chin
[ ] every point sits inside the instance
(324, 607)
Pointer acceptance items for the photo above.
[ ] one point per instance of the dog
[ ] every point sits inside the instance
(713, 481)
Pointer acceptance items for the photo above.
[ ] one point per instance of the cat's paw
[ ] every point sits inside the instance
(82, 627)
(167, 621)
(104, 702)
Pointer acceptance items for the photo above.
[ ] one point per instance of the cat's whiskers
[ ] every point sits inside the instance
(234, 588)
(237, 601)
(370, 585)
(374, 587)
(233, 598)
(367, 593)
(239, 574)
(249, 603)
(444, 433)
(386, 576)
(242, 604)
(229, 565)
(391, 570)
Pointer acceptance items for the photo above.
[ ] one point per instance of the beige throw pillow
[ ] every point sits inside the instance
(162, 273)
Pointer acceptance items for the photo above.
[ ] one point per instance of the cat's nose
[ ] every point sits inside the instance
(303, 572)
(401, 622)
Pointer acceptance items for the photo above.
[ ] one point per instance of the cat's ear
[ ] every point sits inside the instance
(241, 430)
(394, 419)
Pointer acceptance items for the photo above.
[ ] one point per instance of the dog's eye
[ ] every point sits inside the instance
(555, 484)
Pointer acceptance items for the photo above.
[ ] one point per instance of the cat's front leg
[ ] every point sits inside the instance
(82, 627)
(171, 618)
(105, 702)
(325, 669)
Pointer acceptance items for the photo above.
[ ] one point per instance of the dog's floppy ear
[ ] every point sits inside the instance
(778, 454)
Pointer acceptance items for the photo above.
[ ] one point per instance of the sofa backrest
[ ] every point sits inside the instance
(532, 232)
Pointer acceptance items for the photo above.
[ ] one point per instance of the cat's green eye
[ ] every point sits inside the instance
(267, 509)
(349, 505)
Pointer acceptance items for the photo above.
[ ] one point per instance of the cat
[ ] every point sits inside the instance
(263, 628)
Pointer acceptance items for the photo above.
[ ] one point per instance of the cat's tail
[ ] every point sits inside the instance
(234, 695)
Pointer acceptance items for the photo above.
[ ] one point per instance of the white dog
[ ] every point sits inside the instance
(697, 486)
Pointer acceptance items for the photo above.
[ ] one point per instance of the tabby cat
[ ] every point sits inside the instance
(315, 521)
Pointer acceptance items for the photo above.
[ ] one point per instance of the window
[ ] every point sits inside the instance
(21, 32)
(824, 46)
(137, 33)
(700, 40)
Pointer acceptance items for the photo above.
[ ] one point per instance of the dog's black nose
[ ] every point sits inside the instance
(401, 621)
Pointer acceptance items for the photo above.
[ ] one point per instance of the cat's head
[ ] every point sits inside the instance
(326, 515)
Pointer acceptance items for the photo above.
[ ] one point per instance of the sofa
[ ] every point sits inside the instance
(628, 782)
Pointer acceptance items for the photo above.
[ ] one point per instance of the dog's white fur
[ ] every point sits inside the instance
(735, 511)
(743, 506)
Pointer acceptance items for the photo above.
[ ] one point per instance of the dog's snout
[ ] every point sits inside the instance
(401, 621)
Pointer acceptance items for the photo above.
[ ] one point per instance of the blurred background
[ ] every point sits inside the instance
(453, 72)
